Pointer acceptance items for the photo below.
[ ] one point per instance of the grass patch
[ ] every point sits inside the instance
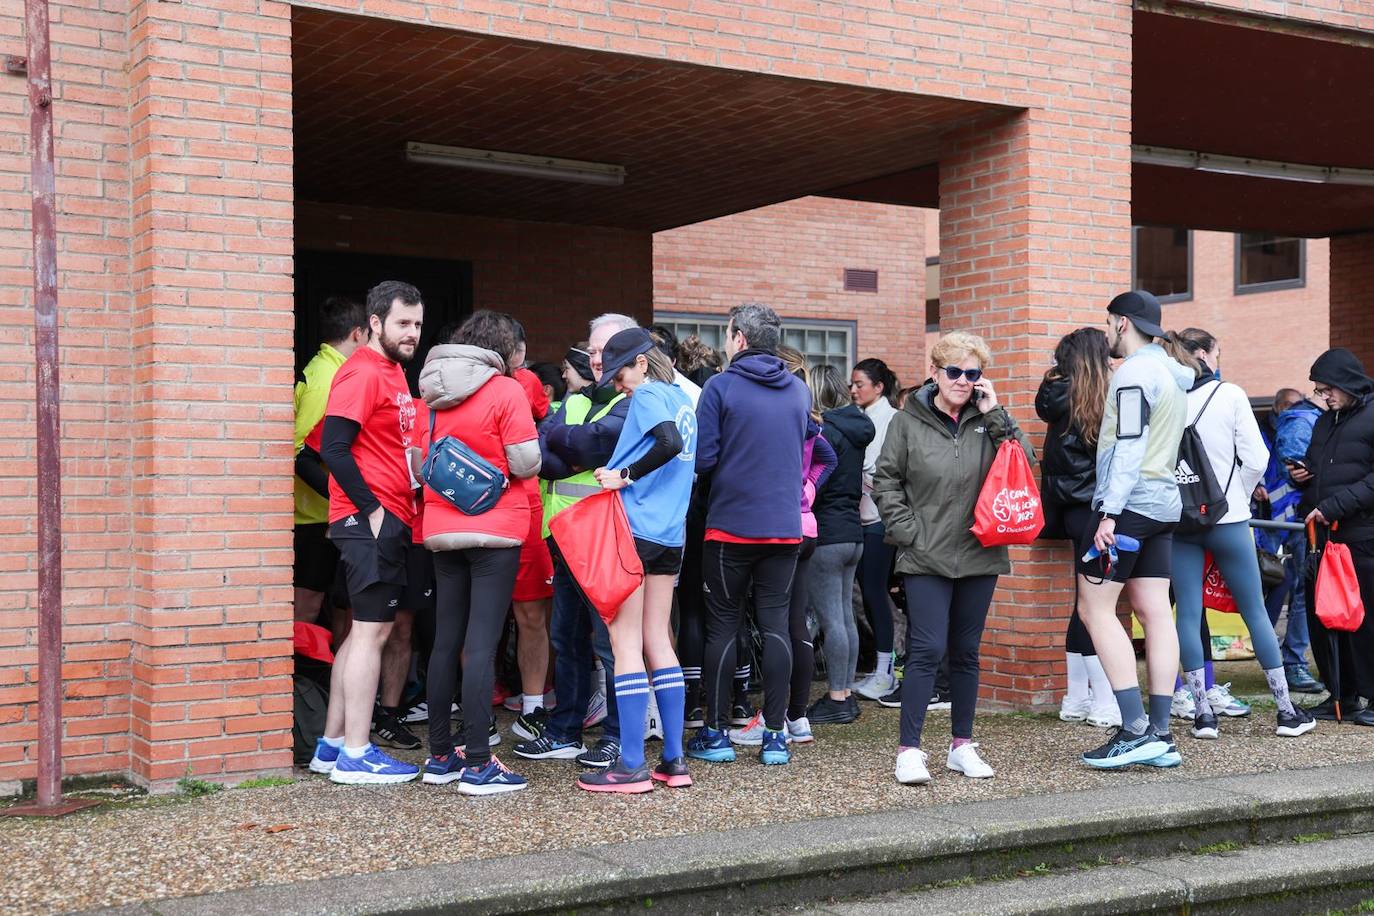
(264, 782)
(191, 787)
(1225, 846)
(1302, 838)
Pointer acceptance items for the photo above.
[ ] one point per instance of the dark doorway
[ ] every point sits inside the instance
(446, 287)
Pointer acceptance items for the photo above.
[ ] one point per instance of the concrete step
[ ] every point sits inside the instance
(1282, 878)
(805, 863)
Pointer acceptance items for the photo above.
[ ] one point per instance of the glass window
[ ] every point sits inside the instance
(820, 342)
(1265, 262)
(1163, 262)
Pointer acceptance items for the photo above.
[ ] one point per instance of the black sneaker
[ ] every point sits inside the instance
(673, 773)
(893, 700)
(828, 711)
(388, 731)
(939, 701)
(1124, 748)
(1300, 723)
(531, 725)
(853, 702)
(604, 753)
(1205, 726)
(1326, 710)
(696, 718)
(741, 714)
(547, 747)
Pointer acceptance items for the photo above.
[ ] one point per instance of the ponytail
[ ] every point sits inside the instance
(1184, 346)
(879, 374)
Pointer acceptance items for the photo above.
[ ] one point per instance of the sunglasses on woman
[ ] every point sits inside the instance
(953, 372)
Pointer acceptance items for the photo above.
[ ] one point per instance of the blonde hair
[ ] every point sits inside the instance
(796, 364)
(660, 366)
(956, 346)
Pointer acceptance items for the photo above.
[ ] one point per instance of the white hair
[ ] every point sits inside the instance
(621, 322)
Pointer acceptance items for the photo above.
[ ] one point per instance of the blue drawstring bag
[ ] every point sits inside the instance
(469, 482)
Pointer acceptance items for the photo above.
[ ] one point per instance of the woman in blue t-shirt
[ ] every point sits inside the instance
(653, 464)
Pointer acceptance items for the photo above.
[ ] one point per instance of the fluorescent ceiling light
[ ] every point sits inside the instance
(1250, 168)
(484, 160)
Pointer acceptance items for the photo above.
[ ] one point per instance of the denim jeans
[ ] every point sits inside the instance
(1292, 589)
(577, 634)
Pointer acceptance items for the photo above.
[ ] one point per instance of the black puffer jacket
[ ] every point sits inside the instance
(1341, 455)
(1068, 465)
(848, 430)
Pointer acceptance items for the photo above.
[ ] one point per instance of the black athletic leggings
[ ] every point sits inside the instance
(875, 567)
(472, 594)
(727, 571)
(943, 615)
(691, 614)
(803, 652)
(1077, 520)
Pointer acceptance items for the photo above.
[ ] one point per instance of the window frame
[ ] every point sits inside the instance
(1270, 286)
(849, 326)
(1135, 255)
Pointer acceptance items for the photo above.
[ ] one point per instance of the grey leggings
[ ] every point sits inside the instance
(1233, 547)
(830, 578)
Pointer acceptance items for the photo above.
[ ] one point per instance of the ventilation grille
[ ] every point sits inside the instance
(860, 281)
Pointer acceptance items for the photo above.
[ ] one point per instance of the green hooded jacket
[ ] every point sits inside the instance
(927, 483)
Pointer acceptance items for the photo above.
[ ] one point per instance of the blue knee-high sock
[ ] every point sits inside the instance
(632, 694)
(671, 693)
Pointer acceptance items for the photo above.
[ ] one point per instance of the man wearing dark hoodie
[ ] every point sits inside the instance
(1338, 486)
(752, 422)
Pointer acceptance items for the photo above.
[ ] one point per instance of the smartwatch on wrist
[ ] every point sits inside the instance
(625, 474)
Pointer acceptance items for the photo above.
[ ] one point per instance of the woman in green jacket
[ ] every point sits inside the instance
(939, 448)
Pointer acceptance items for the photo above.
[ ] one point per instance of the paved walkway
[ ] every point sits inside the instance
(159, 848)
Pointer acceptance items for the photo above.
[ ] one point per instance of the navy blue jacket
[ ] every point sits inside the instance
(568, 449)
(751, 424)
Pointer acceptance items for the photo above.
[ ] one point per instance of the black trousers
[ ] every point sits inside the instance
(803, 650)
(472, 594)
(943, 615)
(728, 570)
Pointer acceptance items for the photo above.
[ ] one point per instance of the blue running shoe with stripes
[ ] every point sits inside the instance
(711, 744)
(1124, 748)
(373, 768)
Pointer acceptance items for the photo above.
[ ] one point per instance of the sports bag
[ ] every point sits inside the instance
(1204, 500)
(1008, 510)
(469, 482)
(594, 537)
(1216, 594)
(1339, 605)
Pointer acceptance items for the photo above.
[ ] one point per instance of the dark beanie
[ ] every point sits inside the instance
(1340, 368)
(581, 363)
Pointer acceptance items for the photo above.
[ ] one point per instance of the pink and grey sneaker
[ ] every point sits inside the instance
(618, 778)
(673, 773)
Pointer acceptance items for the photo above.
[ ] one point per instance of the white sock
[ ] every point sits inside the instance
(334, 742)
(1078, 678)
(884, 666)
(530, 702)
(1098, 683)
(356, 752)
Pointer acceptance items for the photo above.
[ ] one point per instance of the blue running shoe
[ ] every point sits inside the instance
(1170, 758)
(326, 755)
(490, 779)
(440, 771)
(774, 750)
(1124, 748)
(373, 768)
(711, 744)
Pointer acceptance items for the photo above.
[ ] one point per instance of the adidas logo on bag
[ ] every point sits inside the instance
(1184, 474)
(351, 522)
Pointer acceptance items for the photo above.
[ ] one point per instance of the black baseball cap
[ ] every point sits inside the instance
(621, 350)
(581, 363)
(1142, 308)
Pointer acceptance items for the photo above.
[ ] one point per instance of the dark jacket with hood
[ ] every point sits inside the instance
(848, 430)
(1068, 465)
(1341, 455)
(585, 446)
(751, 423)
(927, 485)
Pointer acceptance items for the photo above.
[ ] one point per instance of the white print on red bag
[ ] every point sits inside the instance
(1015, 510)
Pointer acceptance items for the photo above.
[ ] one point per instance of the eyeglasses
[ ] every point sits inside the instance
(953, 372)
(1322, 391)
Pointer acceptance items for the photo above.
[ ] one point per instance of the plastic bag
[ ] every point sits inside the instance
(1339, 605)
(1008, 510)
(594, 537)
(1216, 594)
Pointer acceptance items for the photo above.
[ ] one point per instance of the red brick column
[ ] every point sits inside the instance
(1034, 240)
(212, 326)
(1352, 295)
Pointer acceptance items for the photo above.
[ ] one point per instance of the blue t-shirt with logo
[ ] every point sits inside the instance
(656, 504)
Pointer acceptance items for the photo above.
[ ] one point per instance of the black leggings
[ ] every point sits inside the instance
(875, 567)
(728, 570)
(691, 614)
(803, 651)
(943, 614)
(1077, 520)
(472, 594)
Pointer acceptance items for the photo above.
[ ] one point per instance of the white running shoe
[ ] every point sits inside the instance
(653, 725)
(1107, 715)
(751, 735)
(1223, 704)
(1075, 710)
(596, 709)
(1183, 706)
(911, 767)
(799, 730)
(964, 759)
(876, 687)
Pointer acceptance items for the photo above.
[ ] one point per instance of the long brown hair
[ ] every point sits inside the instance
(1081, 359)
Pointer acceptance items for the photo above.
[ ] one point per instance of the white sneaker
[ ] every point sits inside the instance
(596, 709)
(911, 767)
(1108, 715)
(1071, 710)
(653, 725)
(751, 735)
(1223, 704)
(964, 759)
(876, 687)
(1183, 706)
(799, 730)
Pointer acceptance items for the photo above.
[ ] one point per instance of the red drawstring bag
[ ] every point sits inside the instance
(1008, 509)
(1216, 594)
(312, 641)
(1339, 606)
(594, 537)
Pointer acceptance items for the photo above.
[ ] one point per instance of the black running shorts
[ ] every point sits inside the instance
(657, 559)
(1154, 560)
(374, 568)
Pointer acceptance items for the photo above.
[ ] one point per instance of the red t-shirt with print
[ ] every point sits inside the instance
(371, 390)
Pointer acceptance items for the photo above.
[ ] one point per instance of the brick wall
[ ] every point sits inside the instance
(1352, 295)
(792, 256)
(555, 278)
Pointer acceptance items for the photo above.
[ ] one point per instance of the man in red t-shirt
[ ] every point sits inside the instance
(369, 431)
